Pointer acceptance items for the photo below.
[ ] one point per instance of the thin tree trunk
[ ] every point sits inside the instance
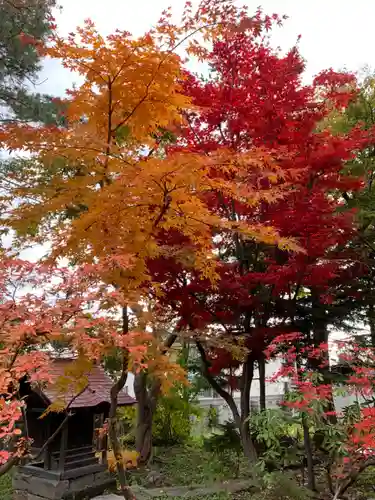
(240, 419)
(262, 382)
(309, 456)
(321, 364)
(246, 381)
(371, 322)
(112, 417)
(352, 478)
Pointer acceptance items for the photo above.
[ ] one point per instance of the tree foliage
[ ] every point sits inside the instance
(109, 192)
(253, 98)
(346, 444)
(360, 115)
(40, 305)
(105, 186)
(223, 206)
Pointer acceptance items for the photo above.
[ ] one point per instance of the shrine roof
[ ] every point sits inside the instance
(97, 390)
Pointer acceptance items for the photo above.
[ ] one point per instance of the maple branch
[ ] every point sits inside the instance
(59, 428)
(124, 64)
(156, 386)
(163, 210)
(213, 314)
(90, 68)
(168, 54)
(5, 468)
(15, 355)
(353, 476)
(222, 392)
(109, 134)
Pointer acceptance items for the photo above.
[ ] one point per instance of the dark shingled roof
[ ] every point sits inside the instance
(96, 392)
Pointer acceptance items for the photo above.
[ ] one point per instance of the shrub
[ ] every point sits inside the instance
(279, 486)
(173, 418)
(225, 443)
(6, 487)
(277, 434)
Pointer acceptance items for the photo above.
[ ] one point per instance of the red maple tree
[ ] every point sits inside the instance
(255, 98)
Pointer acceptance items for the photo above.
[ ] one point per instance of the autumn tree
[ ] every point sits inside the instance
(40, 307)
(345, 447)
(255, 98)
(359, 114)
(106, 190)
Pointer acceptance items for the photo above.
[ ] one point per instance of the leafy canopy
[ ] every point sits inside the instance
(107, 188)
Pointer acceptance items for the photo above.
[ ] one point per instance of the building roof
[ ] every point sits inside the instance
(97, 391)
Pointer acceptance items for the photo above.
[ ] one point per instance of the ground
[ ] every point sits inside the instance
(193, 466)
(190, 465)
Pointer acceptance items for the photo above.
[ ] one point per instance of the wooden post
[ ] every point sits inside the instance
(63, 446)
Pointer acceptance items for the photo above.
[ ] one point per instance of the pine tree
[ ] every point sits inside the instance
(24, 24)
(360, 115)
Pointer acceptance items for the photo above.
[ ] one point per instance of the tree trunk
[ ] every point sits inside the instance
(240, 419)
(116, 448)
(112, 417)
(145, 414)
(143, 441)
(309, 456)
(247, 443)
(244, 427)
(147, 398)
(321, 364)
(371, 322)
(262, 382)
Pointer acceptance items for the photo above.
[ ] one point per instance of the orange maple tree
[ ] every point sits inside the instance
(40, 306)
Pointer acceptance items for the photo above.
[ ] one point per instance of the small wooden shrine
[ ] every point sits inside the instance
(71, 466)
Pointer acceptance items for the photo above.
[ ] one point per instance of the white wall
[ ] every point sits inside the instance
(272, 388)
(129, 385)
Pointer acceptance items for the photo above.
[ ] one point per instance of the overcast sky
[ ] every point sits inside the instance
(335, 33)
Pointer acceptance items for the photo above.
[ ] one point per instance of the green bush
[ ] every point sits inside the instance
(191, 465)
(212, 418)
(225, 443)
(279, 486)
(278, 436)
(174, 416)
(126, 423)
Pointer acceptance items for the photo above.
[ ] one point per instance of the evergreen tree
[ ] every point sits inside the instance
(361, 114)
(23, 25)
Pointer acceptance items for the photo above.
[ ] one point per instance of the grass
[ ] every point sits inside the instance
(6, 487)
(218, 496)
(177, 466)
(192, 465)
